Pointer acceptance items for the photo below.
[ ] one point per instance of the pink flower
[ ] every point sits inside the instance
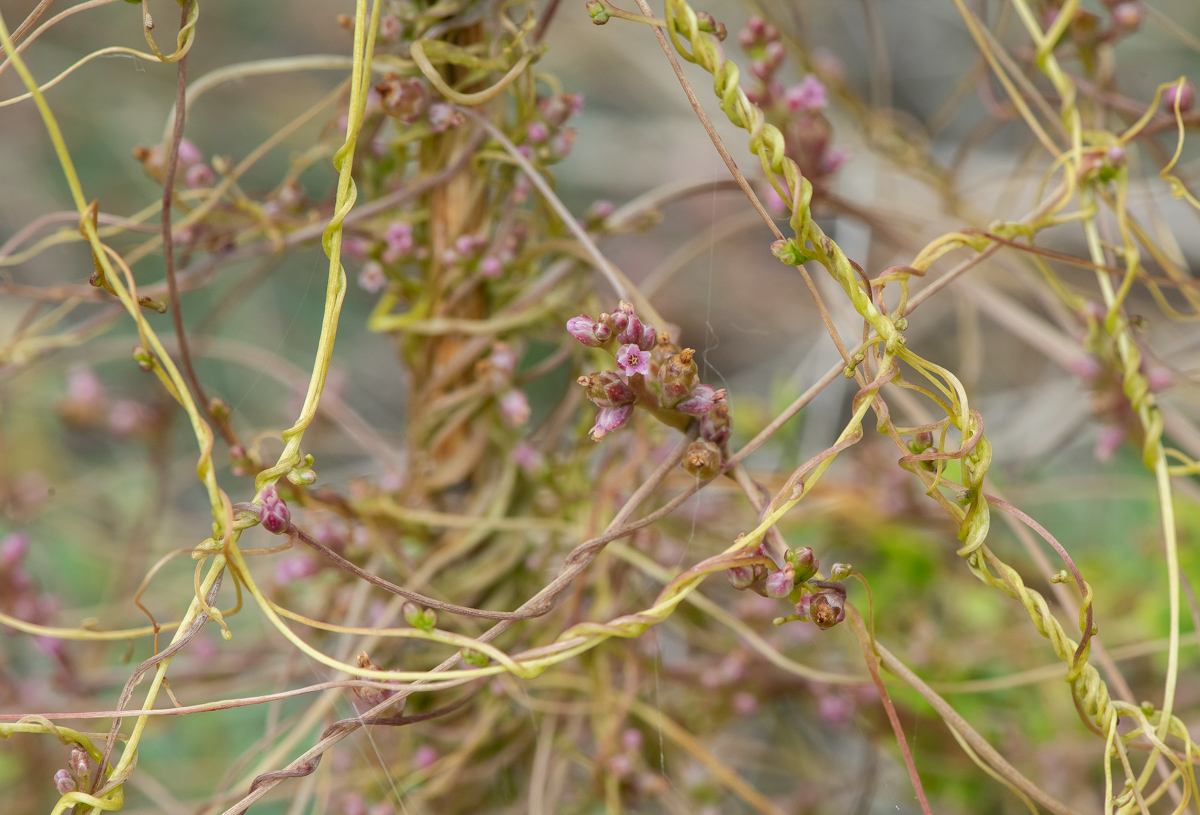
(490, 267)
(514, 407)
(833, 160)
(189, 154)
(528, 458)
(774, 203)
(371, 278)
(83, 385)
(425, 756)
(1109, 440)
(13, 548)
(808, 95)
(633, 360)
(503, 358)
(399, 238)
(294, 568)
(610, 419)
(537, 132)
(744, 704)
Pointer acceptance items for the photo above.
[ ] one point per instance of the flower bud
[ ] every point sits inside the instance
(588, 331)
(403, 98)
(715, 425)
(678, 377)
(1185, 94)
(514, 407)
(840, 571)
(921, 442)
(372, 696)
(12, 549)
(610, 419)
(606, 389)
(276, 517)
(302, 476)
(1128, 16)
(64, 783)
(701, 400)
(804, 563)
(740, 577)
(702, 459)
(596, 11)
(780, 582)
(417, 617)
(80, 764)
(788, 252)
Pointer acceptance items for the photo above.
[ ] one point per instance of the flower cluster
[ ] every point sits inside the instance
(654, 374)
(820, 601)
(498, 371)
(798, 111)
(87, 405)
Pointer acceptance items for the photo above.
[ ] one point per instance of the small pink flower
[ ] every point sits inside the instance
(490, 267)
(588, 331)
(83, 385)
(514, 407)
(808, 95)
(371, 278)
(425, 756)
(780, 583)
(356, 247)
(744, 704)
(633, 360)
(503, 358)
(631, 740)
(537, 132)
(528, 458)
(399, 237)
(610, 419)
(294, 568)
(443, 116)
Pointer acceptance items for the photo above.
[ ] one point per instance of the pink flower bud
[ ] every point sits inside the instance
(199, 176)
(64, 783)
(1186, 96)
(588, 331)
(514, 407)
(701, 400)
(528, 458)
(631, 740)
(780, 583)
(12, 549)
(80, 762)
(83, 385)
(1158, 379)
(1128, 16)
(610, 419)
(443, 116)
(677, 378)
(740, 577)
(276, 517)
(189, 154)
(715, 425)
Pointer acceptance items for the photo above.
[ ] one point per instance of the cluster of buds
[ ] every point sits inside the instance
(819, 601)
(77, 773)
(653, 374)
(797, 111)
(276, 517)
(87, 405)
(191, 170)
(546, 138)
